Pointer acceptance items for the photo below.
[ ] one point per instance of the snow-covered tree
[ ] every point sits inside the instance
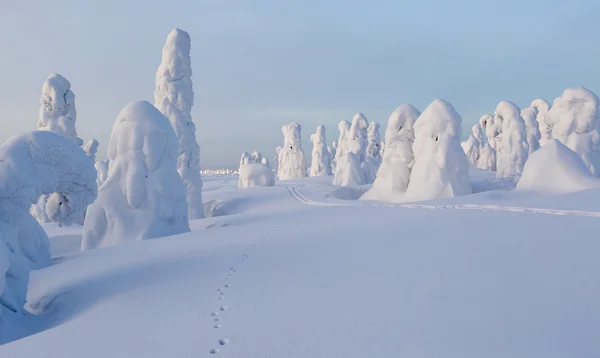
(321, 160)
(512, 149)
(532, 129)
(487, 152)
(575, 121)
(245, 160)
(350, 169)
(332, 150)
(398, 158)
(276, 159)
(256, 174)
(472, 145)
(543, 107)
(256, 157)
(58, 115)
(382, 149)
(373, 143)
(292, 163)
(441, 167)
(102, 169)
(344, 128)
(143, 196)
(31, 165)
(91, 148)
(174, 97)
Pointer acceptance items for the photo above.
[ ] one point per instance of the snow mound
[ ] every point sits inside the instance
(256, 174)
(143, 196)
(556, 169)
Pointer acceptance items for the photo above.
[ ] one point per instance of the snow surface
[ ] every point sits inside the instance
(556, 169)
(276, 275)
(143, 196)
(575, 121)
(441, 167)
(174, 97)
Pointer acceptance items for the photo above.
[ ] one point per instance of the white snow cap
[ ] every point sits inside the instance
(575, 118)
(556, 169)
(441, 167)
(57, 112)
(532, 129)
(321, 157)
(174, 97)
(31, 165)
(512, 149)
(398, 158)
(143, 196)
(91, 148)
(543, 107)
(292, 164)
(256, 174)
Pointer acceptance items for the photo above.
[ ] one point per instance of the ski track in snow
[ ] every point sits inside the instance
(295, 193)
(216, 315)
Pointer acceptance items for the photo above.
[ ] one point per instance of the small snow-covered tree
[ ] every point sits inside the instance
(292, 163)
(91, 148)
(373, 157)
(276, 159)
(441, 167)
(256, 157)
(256, 174)
(174, 97)
(532, 129)
(543, 107)
(332, 150)
(31, 165)
(321, 160)
(472, 145)
(143, 196)
(512, 150)
(398, 158)
(487, 152)
(245, 160)
(344, 128)
(350, 169)
(575, 121)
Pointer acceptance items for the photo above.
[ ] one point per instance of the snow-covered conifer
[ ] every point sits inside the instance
(350, 169)
(487, 152)
(321, 160)
(532, 128)
(292, 163)
(143, 196)
(543, 107)
(373, 143)
(575, 121)
(91, 148)
(398, 158)
(256, 157)
(343, 127)
(102, 169)
(256, 174)
(512, 149)
(174, 97)
(332, 150)
(441, 167)
(276, 159)
(31, 165)
(472, 145)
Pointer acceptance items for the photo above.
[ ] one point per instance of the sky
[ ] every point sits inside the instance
(259, 64)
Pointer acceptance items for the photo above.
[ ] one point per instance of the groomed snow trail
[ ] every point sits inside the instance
(295, 193)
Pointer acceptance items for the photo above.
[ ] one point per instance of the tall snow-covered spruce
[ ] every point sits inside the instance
(291, 160)
(321, 159)
(373, 157)
(143, 196)
(532, 128)
(174, 97)
(543, 107)
(58, 115)
(472, 146)
(575, 121)
(512, 148)
(487, 152)
(350, 169)
(394, 173)
(441, 167)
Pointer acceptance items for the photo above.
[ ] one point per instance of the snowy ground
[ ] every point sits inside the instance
(300, 270)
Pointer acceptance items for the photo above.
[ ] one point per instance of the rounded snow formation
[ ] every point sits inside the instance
(256, 174)
(543, 107)
(556, 169)
(321, 157)
(529, 115)
(575, 118)
(292, 163)
(57, 112)
(512, 148)
(143, 196)
(91, 148)
(441, 167)
(398, 158)
(31, 165)
(174, 97)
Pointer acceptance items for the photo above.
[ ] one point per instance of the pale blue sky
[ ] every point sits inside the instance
(262, 63)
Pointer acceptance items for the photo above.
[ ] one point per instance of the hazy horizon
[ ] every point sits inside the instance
(258, 66)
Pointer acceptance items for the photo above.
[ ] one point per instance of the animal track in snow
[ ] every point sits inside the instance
(223, 341)
(213, 351)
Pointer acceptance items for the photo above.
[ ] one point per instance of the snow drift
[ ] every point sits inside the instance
(394, 173)
(556, 169)
(441, 167)
(143, 196)
(174, 97)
